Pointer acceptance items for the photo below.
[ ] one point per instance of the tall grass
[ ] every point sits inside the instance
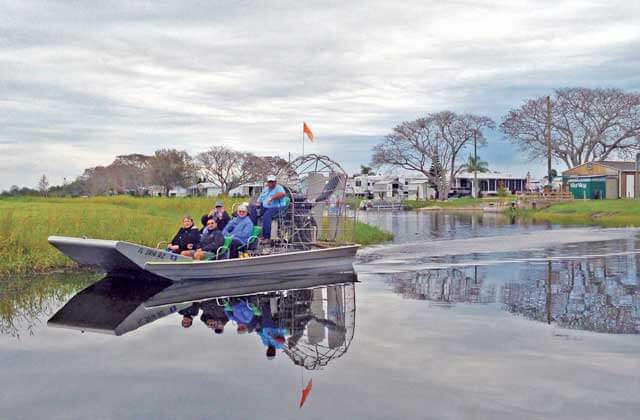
(25, 224)
(608, 213)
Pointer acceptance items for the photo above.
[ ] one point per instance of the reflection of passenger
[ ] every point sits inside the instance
(214, 316)
(271, 335)
(188, 314)
(244, 313)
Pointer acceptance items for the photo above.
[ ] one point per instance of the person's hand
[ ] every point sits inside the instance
(189, 246)
(269, 201)
(174, 247)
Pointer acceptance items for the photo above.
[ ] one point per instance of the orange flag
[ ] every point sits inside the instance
(306, 130)
(305, 392)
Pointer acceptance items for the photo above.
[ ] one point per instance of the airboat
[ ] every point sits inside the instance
(316, 231)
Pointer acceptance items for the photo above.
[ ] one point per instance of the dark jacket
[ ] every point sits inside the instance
(211, 240)
(220, 220)
(211, 310)
(191, 311)
(186, 236)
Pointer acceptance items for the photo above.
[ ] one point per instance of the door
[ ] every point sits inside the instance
(631, 186)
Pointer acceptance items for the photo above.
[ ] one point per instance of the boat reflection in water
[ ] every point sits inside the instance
(310, 316)
(599, 294)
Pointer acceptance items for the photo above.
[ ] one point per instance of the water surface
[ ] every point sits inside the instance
(464, 317)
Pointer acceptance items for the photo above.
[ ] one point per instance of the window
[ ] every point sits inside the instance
(358, 183)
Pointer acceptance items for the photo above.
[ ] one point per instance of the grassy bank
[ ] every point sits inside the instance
(453, 203)
(609, 213)
(25, 224)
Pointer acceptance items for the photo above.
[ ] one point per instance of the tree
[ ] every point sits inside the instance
(366, 170)
(472, 166)
(170, 168)
(586, 125)
(262, 166)
(432, 146)
(43, 185)
(226, 167)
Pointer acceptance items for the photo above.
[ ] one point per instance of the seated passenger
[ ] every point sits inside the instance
(186, 240)
(211, 239)
(271, 203)
(219, 214)
(240, 227)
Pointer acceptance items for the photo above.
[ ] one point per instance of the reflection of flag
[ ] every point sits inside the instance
(306, 130)
(305, 392)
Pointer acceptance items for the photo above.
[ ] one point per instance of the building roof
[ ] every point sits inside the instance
(623, 166)
(488, 175)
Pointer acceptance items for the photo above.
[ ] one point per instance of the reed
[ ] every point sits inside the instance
(25, 224)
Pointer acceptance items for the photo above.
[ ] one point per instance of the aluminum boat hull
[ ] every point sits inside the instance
(119, 257)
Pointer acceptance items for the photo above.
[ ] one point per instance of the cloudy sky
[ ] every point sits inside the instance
(81, 83)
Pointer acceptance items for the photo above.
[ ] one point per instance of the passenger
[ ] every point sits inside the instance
(219, 214)
(211, 239)
(240, 227)
(188, 314)
(271, 202)
(186, 240)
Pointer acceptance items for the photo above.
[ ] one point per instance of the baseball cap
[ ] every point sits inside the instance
(271, 178)
(220, 203)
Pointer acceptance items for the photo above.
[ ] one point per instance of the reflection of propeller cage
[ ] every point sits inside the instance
(318, 209)
(321, 322)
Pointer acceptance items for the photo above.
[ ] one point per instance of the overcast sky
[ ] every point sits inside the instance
(80, 84)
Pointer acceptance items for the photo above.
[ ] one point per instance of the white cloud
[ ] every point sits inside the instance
(136, 78)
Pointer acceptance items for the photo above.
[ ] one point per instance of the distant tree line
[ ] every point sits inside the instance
(586, 125)
(167, 168)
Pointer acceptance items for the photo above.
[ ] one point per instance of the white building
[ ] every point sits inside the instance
(387, 187)
(490, 183)
(178, 191)
(205, 189)
(248, 189)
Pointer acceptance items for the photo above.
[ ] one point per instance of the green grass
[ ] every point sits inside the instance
(25, 224)
(453, 203)
(609, 213)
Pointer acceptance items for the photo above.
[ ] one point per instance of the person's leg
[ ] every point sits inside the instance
(253, 213)
(233, 248)
(267, 216)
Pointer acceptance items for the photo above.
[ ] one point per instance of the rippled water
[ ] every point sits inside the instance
(463, 317)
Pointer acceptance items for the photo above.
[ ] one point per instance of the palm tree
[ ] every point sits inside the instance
(472, 166)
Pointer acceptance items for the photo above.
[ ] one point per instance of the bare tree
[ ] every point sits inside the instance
(587, 125)
(432, 145)
(170, 168)
(43, 185)
(225, 167)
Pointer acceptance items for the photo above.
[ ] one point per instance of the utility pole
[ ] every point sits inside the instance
(549, 140)
(475, 166)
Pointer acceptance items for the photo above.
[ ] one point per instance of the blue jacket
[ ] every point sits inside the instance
(240, 228)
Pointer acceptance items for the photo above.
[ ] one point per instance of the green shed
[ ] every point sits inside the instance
(588, 187)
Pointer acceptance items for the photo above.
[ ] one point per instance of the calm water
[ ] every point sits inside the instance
(463, 317)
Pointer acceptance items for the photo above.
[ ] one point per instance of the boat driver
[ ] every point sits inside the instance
(271, 203)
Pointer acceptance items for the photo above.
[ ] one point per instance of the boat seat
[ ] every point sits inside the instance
(224, 250)
(253, 243)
